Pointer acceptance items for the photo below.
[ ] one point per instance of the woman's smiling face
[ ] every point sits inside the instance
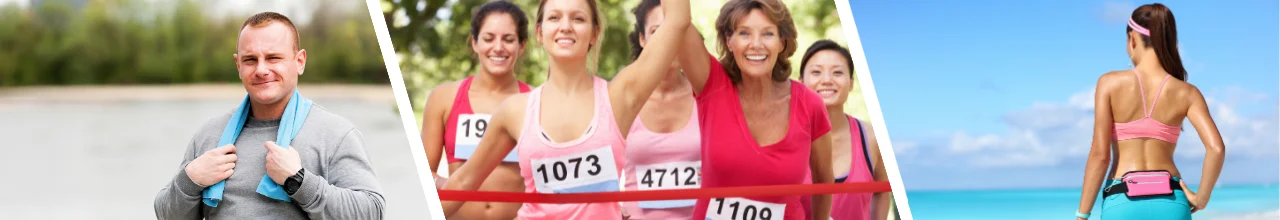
(755, 44)
(566, 29)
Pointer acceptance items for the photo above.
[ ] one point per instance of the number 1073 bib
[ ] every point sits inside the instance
(466, 139)
(589, 171)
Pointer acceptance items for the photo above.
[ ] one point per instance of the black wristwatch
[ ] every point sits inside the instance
(294, 182)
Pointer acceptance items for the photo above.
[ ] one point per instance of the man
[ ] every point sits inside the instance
(278, 156)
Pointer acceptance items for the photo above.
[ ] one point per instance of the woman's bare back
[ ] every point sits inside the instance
(1130, 102)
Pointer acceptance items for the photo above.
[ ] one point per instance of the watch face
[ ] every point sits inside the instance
(291, 185)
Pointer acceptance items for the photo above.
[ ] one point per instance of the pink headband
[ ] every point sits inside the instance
(1139, 28)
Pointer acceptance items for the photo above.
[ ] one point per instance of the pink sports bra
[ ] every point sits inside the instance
(1147, 127)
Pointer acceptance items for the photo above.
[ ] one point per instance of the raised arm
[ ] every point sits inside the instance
(879, 201)
(631, 88)
(1214, 149)
(433, 119)
(694, 59)
(1100, 151)
(497, 142)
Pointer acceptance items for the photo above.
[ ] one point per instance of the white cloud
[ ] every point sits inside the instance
(1048, 133)
(904, 147)
(1040, 135)
(1242, 134)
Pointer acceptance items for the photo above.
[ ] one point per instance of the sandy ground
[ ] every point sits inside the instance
(104, 152)
(1268, 215)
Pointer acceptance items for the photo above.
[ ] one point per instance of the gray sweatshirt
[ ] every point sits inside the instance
(338, 182)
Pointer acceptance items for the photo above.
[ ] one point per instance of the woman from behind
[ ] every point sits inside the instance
(1138, 119)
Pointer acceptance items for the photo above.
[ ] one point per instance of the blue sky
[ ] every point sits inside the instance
(979, 91)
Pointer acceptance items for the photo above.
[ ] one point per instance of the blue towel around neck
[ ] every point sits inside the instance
(295, 113)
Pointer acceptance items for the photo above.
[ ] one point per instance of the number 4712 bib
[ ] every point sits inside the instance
(671, 175)
(466, 139)
(744, 209)
(589, 171)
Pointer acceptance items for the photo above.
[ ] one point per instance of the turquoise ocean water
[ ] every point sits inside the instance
(1244, 202)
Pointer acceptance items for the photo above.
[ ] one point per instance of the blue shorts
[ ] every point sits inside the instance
(1121, 207)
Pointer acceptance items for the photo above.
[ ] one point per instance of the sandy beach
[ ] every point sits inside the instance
(103, 152)
(1270, 215)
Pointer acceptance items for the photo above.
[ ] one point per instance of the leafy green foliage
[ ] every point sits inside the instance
(430, 37)
(131, 42)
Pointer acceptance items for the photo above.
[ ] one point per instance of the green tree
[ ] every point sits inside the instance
(432, 42)
(133, 42)
(429, 37)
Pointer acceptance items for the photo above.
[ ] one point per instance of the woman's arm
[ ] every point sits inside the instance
(631, 88)
(1095, 169)
(433, 118)
(1214, 149)
(694, 59)
(820, 166)
(880, 200)
(499, 138)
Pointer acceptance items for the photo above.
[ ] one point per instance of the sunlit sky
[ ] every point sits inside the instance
(978, 91)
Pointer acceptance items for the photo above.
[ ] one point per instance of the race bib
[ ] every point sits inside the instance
(744, 209)
(469, 130)
(590, 171)
(674, 175)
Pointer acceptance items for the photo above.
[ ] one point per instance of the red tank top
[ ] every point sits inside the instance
(855, 206)
(464, 127)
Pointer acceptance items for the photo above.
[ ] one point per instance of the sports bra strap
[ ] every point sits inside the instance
(1158, 92)
(1142, 91)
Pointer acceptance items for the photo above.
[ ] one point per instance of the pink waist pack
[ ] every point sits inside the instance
(1148, 183)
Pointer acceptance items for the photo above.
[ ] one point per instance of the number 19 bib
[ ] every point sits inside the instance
(590, 171)
(470, 129)
(744, 209)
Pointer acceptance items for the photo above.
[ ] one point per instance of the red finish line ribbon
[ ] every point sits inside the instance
(670, 194)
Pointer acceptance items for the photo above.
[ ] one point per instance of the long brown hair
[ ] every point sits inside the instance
(501, 7)
(641, 12)
(1164, 36)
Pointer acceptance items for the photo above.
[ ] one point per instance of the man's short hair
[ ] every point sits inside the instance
(265, 18)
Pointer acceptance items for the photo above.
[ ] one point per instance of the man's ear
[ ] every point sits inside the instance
(302, 61)
(236, 57)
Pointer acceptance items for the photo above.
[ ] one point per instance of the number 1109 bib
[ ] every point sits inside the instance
(466, 139)
(590, 171)
(744, 209)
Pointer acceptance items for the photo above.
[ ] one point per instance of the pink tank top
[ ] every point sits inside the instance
(732, 157)
(663, 161)
(855, 206)
(590, 163)
(1147, 127)
(464, 127)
